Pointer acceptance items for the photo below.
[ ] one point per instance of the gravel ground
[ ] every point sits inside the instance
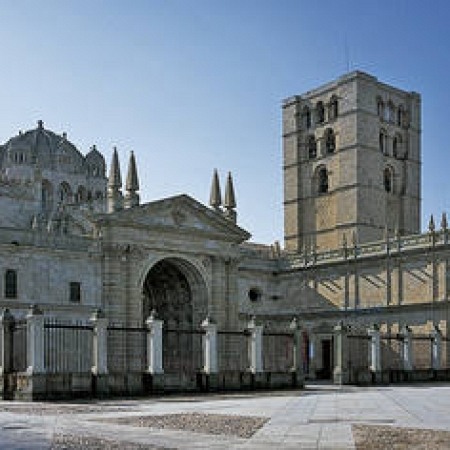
(71, 442)
(240, 426)
(376, 437)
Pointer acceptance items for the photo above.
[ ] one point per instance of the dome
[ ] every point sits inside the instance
(95, 162)
(45, 149)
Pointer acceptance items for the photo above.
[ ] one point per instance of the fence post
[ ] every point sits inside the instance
(375, 352)
(255, 346)
(154, 345)
(297, 348)
(35, 387)
(100, 352)
(341, 374)
(6, 324)
(436, 353)
(210, 347)
(35, 341)
(407, 349)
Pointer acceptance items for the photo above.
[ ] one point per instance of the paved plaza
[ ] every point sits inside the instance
(321, 416)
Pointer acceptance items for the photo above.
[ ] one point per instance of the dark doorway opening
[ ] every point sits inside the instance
(327, 358)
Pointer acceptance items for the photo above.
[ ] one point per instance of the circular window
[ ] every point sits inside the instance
(254, 294)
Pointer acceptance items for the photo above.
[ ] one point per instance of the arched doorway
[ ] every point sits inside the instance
(176, 290)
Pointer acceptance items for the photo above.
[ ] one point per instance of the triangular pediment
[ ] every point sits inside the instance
(181, 214)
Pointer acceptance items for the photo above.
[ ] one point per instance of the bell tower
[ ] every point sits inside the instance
(352, 163)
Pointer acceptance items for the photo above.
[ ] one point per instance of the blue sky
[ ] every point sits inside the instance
(193, 85)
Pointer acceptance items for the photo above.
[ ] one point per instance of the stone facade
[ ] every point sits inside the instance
(73, 243)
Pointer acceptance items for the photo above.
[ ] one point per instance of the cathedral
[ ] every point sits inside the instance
(76, 244)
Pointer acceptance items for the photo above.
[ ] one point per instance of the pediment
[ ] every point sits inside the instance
(181, 214)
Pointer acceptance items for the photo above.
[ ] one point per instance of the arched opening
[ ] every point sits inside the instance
(81, 194)
(46, 196)
(312, 147)
(10, 284)
(382, 142)
(65, 193)
(306, 117)
(322, 181)
(333, 108)
(330, 141)
(388, 180)
(320, 112)
(176, 291)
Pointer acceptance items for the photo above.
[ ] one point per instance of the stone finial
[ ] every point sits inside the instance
(230, 198)
(431, 226)
(40, 124)
(444, 224)
(115, 178)
(215, 199)
(115, 199)
(132, 184)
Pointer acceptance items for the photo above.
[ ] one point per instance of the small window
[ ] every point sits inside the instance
(312, 147)
(382, 142)
(330, 141)
(323, 181)
(75, 292)
(400, 117)
(10, 284)
(380, 108)
(254, 294)
(320, 112)
(388, 180)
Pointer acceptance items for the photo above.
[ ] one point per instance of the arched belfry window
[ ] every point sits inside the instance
(388, 180)
(330, 141)
(10, 284)
(312, 147)
(320, 112)
(306, 117)
(322, 180)
(390, 112)
(333, 108)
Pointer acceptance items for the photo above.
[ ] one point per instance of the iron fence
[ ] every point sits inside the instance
(127, 349)
(233, 351)
(422, 352)
(278, 352)
(67, 346)
(391, 351)
(19, 346)
(182, 350)
(358, 353)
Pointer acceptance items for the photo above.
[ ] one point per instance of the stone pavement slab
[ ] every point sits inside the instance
(319, 417)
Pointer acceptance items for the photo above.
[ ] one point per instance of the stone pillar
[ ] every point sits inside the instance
(375, 351)
(255, 346)
(100, 353)
(35, 341)
(6, 323)
(436, 352)
(154, 345)
(407, 349)
(341, 373)
(210, 347)
(297, 348)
